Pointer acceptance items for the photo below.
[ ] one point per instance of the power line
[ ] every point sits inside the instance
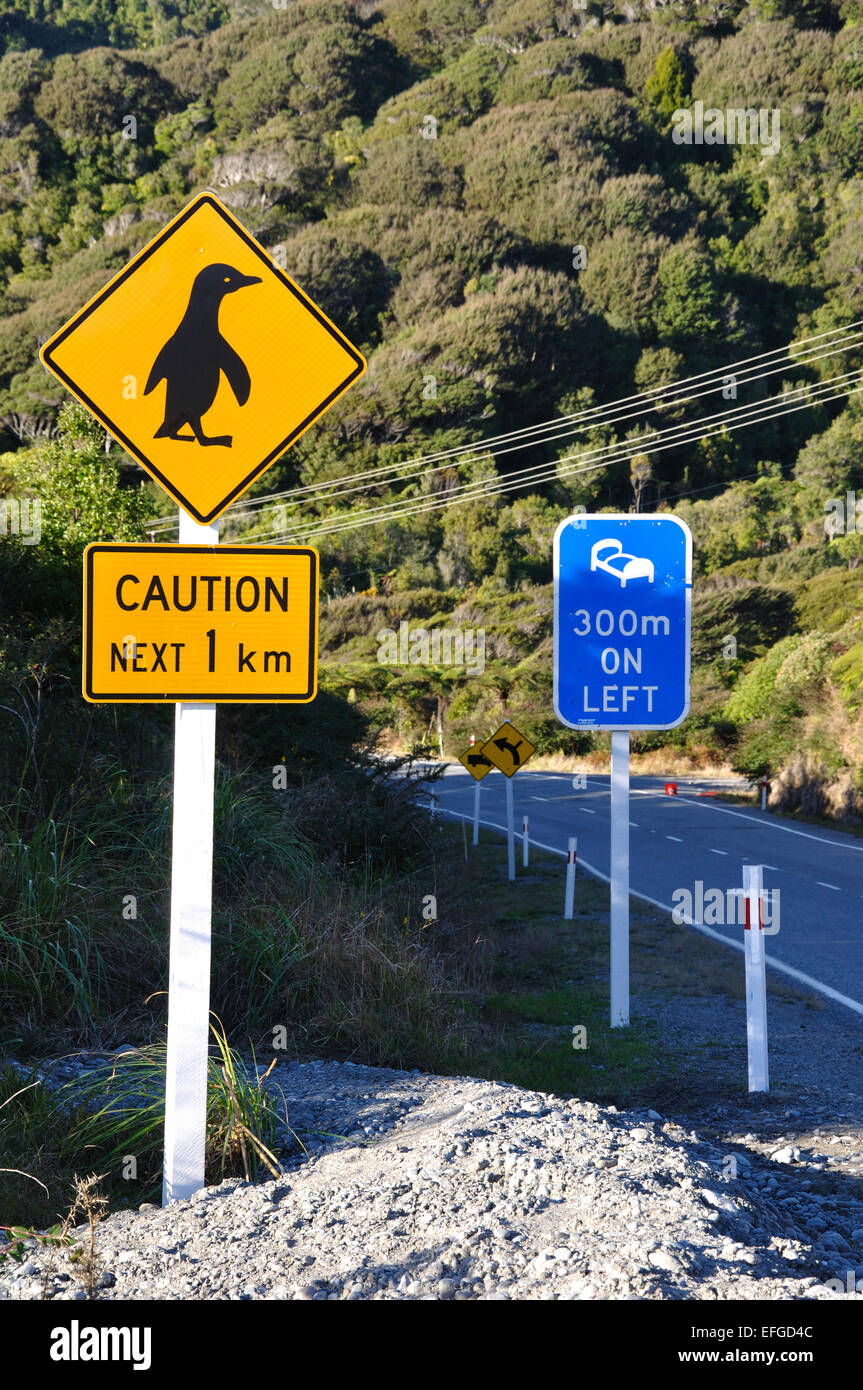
(539, 473)
(591, 418)
(546, 438)
(658, 396)
(502, 486)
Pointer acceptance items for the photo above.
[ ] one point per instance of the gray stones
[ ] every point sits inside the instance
(472, 1190)
(663, 1259)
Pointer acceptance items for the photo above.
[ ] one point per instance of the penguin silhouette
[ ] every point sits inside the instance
(194, 355)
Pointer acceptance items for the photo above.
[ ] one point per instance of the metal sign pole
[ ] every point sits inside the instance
(476, 787)
(191, 911)
(510, 830)
(620, 879)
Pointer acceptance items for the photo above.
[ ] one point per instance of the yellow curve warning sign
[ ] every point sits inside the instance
(203, 359)
(508, 749)
(198, 623)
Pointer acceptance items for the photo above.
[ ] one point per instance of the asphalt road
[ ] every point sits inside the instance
(677, 841)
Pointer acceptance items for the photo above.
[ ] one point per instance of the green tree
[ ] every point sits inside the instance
(78, 487)
(688, 300)
(667, 87)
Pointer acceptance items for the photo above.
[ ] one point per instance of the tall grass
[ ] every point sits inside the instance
(317, 928)
(48, 958)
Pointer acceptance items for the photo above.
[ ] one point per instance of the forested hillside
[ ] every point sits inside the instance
(489, 198)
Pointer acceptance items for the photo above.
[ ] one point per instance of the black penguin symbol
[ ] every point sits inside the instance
(511, 748)
(195, 354)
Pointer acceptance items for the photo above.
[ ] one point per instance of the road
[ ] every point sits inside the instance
(678, 841)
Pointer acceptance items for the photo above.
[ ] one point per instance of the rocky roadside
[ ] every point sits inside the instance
(432, 1188)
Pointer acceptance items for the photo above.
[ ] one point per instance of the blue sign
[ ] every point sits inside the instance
(622, 592)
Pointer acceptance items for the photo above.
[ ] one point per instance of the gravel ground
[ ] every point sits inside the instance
(457, 1188)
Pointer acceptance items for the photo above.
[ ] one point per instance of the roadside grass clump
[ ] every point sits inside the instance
(121, 1116)
(111, 1118)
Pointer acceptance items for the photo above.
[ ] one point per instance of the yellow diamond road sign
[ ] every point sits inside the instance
(477, 764)
(508, 749)
(196, 623)
(203, 359)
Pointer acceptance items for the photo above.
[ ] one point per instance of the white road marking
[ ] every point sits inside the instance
(539, 798)
(818, 985)
(674, 837)
(720, 851)
(587, 812)
(633, 824)
(772, 825)
(828, 885)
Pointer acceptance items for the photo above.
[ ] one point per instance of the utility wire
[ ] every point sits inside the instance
(656, 442)
(591, 418)
(339, 491)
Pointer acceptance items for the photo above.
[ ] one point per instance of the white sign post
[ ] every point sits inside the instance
(569, 899)
(620, 879)
(276, 334)
(756, 980)
(622, 598)
(476, 787)
(191, 914)
(510, 830)
(525, 842)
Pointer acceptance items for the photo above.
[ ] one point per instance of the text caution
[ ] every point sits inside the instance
(194, 623)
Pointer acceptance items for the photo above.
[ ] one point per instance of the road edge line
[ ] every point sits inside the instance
(817, 985)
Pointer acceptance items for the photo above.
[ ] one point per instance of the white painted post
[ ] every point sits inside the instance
(191, 907)
(764, 793)
(510, 830)
(569, 901)
(524, 842)
(620, 879)
(476, 787)
(756, 980)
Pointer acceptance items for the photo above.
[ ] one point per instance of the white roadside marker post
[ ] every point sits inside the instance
(475, 800)
(756, 980)
(191, 919)
(524, 842)
(510, 830)
(620, 879)
(569, 900)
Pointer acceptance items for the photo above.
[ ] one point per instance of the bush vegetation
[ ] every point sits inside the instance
(486, 195)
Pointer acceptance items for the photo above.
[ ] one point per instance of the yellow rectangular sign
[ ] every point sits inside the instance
(200, 624)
